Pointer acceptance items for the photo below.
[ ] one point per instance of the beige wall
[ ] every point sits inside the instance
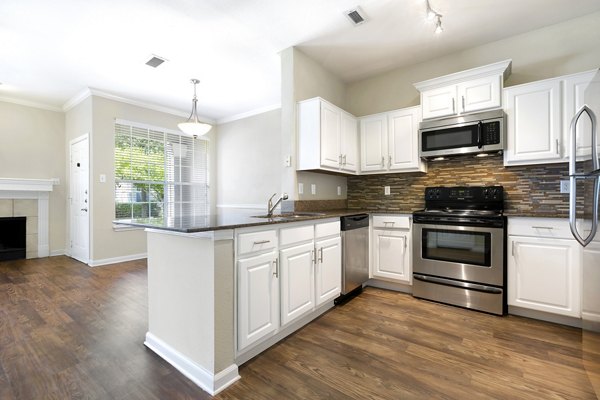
(303, 78)
(249, 160)
(32, 147)
(106, 242)
(568, 47)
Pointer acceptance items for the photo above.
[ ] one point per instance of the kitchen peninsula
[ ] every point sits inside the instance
(195, 305)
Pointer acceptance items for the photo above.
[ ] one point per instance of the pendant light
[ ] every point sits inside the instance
(193, 126)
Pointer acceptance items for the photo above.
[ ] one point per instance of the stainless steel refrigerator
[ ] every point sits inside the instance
(584, 175)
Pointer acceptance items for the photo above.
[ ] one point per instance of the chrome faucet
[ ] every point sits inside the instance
(271, 207)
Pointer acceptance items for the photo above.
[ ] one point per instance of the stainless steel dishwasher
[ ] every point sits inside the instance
(355, 254)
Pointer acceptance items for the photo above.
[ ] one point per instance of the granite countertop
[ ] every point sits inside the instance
(230, 219)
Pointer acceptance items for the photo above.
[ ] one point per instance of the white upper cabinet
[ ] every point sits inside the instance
(533, 123)
(327, 137)
(539, 114)
(464, 92)
(389, 142)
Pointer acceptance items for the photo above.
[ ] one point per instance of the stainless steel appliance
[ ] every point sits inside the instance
(459, 243)
(584, 176)
(355, 252)
(474, 133)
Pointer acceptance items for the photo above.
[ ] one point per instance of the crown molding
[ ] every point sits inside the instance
(28, 103)
(248, 113)
(84, 94)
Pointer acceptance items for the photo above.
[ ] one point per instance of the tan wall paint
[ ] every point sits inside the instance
(32, 147)
(249, 159)
(303, 78)
(568, 47)
(107, 243)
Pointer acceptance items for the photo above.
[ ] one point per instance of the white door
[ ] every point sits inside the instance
(391, 255)
(79, 242)
(403, 139)
(329, 269)
(544, 275)
(439, 102)
(258, 298)
(373, 143)
(349, 145)
(330, 136)
(297, 282)
(480, 94)
(533, 116)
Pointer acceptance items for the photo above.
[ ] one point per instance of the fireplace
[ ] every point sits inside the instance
(12, 238)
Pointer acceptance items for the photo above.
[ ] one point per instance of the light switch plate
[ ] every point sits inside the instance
(313, 188)
(386, 190)
(300, 188)
(339, 190)
(565, 186)
(102, 178)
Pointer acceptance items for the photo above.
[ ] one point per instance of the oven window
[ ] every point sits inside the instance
(448, 138)
(457, 246)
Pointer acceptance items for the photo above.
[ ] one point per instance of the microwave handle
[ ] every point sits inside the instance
(479, 141)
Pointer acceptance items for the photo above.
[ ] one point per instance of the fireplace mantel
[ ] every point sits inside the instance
(37, 189)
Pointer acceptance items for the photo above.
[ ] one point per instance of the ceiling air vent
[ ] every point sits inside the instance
(155, 61)
(356, 16)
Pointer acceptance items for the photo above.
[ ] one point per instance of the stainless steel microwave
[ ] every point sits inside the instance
(473, 133)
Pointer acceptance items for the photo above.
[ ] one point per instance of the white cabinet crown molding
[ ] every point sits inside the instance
(503, 68)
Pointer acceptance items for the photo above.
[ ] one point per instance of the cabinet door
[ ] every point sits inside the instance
(533, 116)
(330, 135)
(329, 269)
(403, 139)
(258, 298)
(297, 281)
(373, 143)
(391, 258)
(581, 89)
(349, 144)
(544, 275)
(480, 94)
(439, 102)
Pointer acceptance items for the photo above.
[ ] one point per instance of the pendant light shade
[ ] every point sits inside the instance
(193, 126)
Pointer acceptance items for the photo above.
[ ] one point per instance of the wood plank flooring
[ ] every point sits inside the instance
(68, 331)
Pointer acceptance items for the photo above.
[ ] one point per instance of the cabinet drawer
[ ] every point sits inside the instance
(325, 229)
(296, 234)
(391, 221)
(540, 227)
(256, 241)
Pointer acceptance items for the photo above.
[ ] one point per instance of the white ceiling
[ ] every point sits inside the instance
(52, 50)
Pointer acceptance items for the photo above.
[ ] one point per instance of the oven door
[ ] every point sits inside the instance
(466, 253)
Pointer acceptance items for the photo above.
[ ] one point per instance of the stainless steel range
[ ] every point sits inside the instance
(459, 243)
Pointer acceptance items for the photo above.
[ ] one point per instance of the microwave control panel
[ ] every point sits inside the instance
(491, 132)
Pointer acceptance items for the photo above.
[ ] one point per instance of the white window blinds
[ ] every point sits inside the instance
(159, 174)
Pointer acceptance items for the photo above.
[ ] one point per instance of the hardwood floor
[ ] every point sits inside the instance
(68, 331)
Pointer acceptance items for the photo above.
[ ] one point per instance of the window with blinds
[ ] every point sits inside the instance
(159, 174)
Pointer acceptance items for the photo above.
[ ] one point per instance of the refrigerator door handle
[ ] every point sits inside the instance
(574, 176)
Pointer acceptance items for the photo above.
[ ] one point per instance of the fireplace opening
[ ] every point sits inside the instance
(12, 238)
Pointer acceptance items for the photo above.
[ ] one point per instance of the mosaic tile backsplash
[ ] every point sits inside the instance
(532, 190)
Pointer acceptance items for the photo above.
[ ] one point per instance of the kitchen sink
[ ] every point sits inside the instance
(292, 215)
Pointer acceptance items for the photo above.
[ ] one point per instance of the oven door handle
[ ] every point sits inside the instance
(462, 285)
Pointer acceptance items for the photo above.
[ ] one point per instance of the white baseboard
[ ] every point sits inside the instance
(58, 252)
(114, 260)
(209, 382)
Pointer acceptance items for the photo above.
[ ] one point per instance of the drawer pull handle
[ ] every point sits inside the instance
(542, 227)
(276, 264)
(321, 255)
(262, 242)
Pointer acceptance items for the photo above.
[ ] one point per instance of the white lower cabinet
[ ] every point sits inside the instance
(544, 266)
(391, 243)
(590, 299)
(328, 269)
(297, 281)
(301, 270)
(258, 298)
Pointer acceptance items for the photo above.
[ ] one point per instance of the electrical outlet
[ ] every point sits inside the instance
(313, 188)
(386, 190)
(102, 178)
(565, 186)
(339, 190)
(288, 161)
(301, 188)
